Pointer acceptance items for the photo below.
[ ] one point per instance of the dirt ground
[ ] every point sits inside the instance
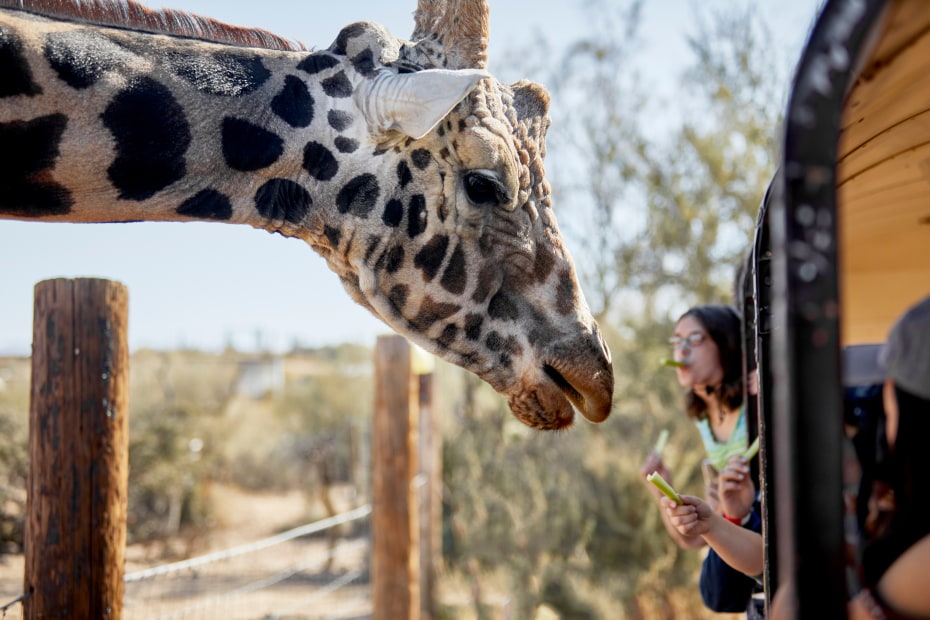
(11, 577)
(231, 589)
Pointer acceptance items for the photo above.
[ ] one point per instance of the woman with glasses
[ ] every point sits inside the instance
(707, 343)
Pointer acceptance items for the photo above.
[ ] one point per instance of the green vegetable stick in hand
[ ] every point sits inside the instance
(660, 442)
(665, 487)
(673, 363)
(752, 449)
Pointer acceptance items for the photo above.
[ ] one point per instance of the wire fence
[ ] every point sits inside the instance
(314, 572)
(295, 574)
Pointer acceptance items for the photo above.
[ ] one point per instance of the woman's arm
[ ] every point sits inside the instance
(737, 546)
(905, 586)
(737, 492)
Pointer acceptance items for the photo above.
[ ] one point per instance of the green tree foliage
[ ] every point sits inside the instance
(704, 191)
(323, 418)
(659, 212)
(177, 400)
(14, 454)
(661, 205)
(194, 419)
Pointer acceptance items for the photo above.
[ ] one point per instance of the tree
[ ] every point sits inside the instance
(661, 221)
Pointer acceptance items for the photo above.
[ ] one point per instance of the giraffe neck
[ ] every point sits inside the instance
(119, 125)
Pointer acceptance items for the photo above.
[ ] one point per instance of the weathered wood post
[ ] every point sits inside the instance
(406, 483)
(394, 457)
(78, 451)
(429, 482)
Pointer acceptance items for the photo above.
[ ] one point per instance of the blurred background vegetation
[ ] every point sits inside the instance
(658, 202)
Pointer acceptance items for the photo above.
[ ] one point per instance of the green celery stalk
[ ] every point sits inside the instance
(673, 363)
(752, 449)
(656, 479)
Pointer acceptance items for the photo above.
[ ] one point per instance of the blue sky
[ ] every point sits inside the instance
(207, 285)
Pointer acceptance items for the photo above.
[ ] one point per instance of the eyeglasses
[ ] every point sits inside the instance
(692, 340)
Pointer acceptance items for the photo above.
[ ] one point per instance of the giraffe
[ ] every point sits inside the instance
(415, 174)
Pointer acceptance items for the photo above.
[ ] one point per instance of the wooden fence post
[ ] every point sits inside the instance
(78, 451)
(395, 518)
(429, 482)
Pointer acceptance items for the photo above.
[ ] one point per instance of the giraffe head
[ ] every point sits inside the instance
(417, 175)
(457, 247)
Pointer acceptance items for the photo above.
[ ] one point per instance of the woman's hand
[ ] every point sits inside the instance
(653, 463)
(692, 518)
(711, 481)
(736, 491)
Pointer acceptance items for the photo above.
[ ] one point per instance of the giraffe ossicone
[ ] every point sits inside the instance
(412, 104)
(411, 170)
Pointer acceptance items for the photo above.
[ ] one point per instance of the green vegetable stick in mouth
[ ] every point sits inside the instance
(665, 487)
(673, 363)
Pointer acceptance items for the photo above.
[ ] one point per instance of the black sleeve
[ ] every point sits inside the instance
(724, 589)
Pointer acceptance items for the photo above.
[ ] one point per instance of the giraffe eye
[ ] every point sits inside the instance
(482, 188)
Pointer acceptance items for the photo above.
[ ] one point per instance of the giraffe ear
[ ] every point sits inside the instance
(413, 103)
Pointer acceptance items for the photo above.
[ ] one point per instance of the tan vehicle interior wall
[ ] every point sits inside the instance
(883, 177)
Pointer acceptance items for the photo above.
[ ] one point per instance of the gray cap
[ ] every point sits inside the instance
(905, 356)
(860, 365)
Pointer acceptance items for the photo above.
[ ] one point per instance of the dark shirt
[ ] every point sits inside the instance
(725, 589)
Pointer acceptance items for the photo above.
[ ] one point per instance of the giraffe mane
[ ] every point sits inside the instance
(129, 14)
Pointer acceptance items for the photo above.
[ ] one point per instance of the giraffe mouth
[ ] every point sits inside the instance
(587, 398)
(573, 395)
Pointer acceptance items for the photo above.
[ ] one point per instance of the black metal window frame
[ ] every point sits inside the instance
(797, 323)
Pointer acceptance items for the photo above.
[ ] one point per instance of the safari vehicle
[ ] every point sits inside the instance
(842, 248)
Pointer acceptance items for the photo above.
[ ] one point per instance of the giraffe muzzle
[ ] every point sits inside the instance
(576, 376)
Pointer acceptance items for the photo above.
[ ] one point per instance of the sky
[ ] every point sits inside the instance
(212, 285)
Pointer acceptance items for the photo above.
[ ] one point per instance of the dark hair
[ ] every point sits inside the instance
(723, 325)
(907, 472)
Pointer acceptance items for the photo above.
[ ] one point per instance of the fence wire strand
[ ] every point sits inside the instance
(332, 586)
(267, 582)
(271, 541)
(16, 601)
